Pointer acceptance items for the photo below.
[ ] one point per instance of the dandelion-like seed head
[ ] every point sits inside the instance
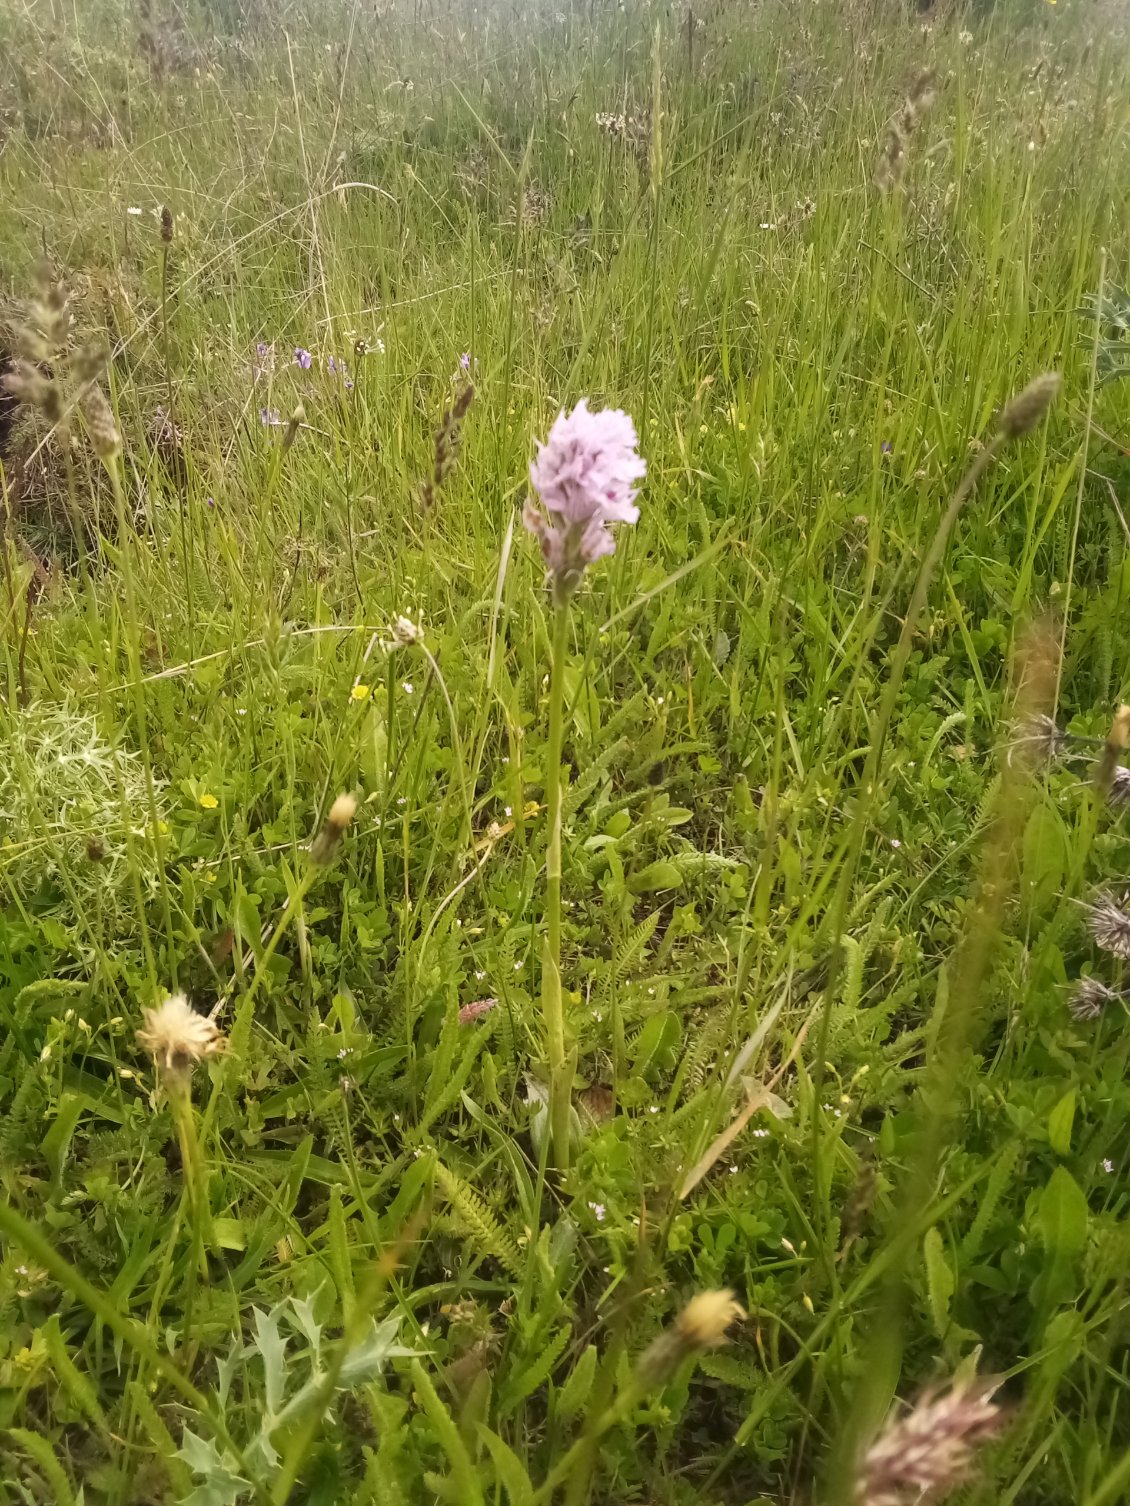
(1109, 925)
(586, 476)
(707, 1316)
(177, 1036)
(702, 1325)
(323, 848)
(929, 1450)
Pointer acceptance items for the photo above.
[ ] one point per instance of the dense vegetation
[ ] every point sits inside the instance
(289, 292)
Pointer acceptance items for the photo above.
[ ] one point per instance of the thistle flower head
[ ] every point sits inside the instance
(1109, 926)
(1037, 737)
(930, 1449)
(1089, 998)
(177, 1037)
(405, 632)
(586, 476)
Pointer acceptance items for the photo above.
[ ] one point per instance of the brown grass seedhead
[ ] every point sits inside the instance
(1023, 412)
(448, 440)
(892, 162)
(929, 1450)
(100, 425)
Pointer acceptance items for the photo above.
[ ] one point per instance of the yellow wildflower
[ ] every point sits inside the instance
(209, 801)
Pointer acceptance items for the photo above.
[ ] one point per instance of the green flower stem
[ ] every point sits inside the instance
(179, 1088)
(552, 1008)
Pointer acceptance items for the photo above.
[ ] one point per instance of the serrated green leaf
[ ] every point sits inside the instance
(272, 1346)
(578, 1387)
(940, 1280)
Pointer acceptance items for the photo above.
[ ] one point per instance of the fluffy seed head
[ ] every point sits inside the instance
(342, 811)
(1023, 412)
(700, 1326)
(177, 1037)
(324, 847)
(707, 1316)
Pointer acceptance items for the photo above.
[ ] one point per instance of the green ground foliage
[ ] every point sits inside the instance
(823, 912)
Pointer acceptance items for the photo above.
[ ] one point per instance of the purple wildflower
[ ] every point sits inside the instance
(262, 350)
(887, 447)
(269, 417)
(465, 360)
(585, 476)
(303, 358)
(331, 365)
(210, 502)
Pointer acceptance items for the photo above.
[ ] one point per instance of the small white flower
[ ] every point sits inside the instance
(135, 211)
(895, 842)
(1108, 1166)
(408, 687)
(480, 973)
(507, 810)
(599, 1211)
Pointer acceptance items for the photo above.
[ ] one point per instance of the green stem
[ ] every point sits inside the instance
(552, 1008)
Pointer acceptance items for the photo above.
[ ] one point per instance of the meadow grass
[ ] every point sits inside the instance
(821, 909)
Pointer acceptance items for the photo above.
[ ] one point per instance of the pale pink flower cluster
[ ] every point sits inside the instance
(586, 476)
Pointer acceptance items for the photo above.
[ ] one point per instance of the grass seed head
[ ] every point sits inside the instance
(929, 1450)
(1023, 412)
(100, 423)
(166, 225)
